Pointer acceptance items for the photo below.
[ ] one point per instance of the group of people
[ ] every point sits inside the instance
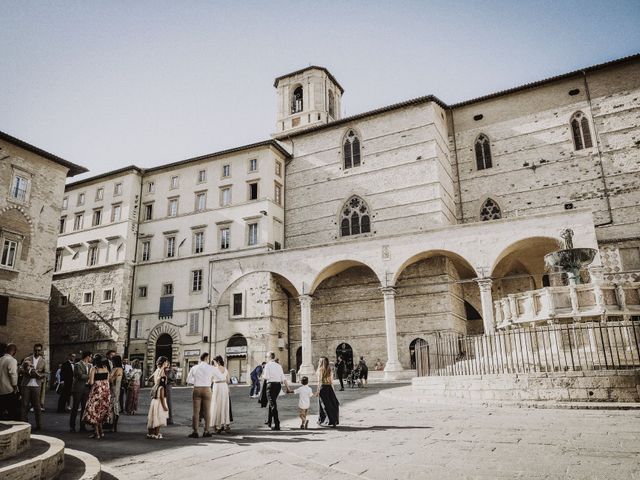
(356, 375)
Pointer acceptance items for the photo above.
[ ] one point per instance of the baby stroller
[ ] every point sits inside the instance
(353, 379)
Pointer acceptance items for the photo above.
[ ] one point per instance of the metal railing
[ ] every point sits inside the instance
(553, 348)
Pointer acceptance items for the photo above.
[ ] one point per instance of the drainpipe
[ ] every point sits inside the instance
(597, 137)
(133, 273)
(455, 153)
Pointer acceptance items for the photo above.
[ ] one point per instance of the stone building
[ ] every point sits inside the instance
(383, 228)
(31, 189)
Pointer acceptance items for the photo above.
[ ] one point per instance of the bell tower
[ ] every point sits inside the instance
(306, 98)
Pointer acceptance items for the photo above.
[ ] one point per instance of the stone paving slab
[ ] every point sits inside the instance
(379, 438)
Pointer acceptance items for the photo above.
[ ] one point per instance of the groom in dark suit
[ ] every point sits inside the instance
(80, 390)
(66, 376)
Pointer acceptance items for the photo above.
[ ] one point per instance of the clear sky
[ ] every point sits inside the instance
(112, 83)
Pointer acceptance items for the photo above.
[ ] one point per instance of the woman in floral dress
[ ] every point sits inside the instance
(98, 407)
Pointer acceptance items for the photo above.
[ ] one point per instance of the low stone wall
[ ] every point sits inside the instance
(594, 386)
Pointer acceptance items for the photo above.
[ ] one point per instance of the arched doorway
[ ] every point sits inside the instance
(345, 350)
(164, 347)
(236, 353)
(298, 358)
(412, 350)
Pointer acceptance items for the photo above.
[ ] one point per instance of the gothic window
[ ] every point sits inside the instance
(355, 218)
(483, 152)
(332, 104)
(296, 101)
(351, 148)
(580, 131)
(490, 210)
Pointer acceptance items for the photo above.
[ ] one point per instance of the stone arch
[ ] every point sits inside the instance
(336, 268)
(162, 329)
(465, 270)
(15, 219)
(283, 279)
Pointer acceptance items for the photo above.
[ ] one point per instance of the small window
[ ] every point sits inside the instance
(202, 176)
(225, 197)
(253, 191)
(80, 199)
(482, 148)
(117, 189)
(58, 265)
(107, 295)
(198, 242)
(490, 210)
(279, 169)
(201, 201)
(151, 187)
(351, 150)
(19, 188)
(167, 289)
(87, 297)
(65, 203)
(225, 238)
(63, 300)
(253, 165)
(136, 329)
(277, 194)
(252, 238)
(97, 218)
(9, 253)
(196, 281)
(77, 221)
(116, 213)
(297, 103)
(172, 209)
(355, 217)
(226, 171)
(332, 105)
(174, 182)
(142, 291)
(580, 131)
(62, 226)
(99, 194)
(237, 304)
(92, 255)
(146, 250)
(170, 247)
(148, 211)
(194, 323)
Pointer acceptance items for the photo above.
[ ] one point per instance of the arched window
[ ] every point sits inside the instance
(297, 100)
(483, 152)
(355, 218)
(332, 104)
(580, 131)
(351, 149)
(490, 210)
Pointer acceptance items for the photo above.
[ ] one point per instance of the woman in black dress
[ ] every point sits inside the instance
(328, 405)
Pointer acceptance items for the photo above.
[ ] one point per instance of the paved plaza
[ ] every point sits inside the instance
(378, 438)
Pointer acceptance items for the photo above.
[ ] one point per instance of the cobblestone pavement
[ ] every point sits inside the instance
(378, 438)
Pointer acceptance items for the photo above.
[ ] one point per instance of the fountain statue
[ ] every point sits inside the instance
(570, 260)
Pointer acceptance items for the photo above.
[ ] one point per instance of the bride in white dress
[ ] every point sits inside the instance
(220, 412)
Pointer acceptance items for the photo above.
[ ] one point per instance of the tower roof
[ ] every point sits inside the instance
(311, 67)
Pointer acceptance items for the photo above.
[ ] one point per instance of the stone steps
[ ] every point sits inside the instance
(24, 456)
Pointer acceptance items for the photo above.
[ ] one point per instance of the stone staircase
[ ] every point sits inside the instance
(24, 456)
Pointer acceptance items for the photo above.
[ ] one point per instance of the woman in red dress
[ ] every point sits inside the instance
(98, 406)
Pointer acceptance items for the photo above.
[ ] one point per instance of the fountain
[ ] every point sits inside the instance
(570, 260)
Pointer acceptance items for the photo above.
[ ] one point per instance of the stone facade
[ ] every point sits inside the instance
(31, 188)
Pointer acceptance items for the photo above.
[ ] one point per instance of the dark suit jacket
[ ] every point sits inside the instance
(66, 373)
(80, 376)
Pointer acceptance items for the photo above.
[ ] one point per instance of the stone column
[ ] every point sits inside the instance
(595, 272)
(487, 304)
(393, 364)
(306, 368)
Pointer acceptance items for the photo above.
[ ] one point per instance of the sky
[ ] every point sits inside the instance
(110, 84)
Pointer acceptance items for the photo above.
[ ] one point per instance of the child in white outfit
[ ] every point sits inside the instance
(304, 401)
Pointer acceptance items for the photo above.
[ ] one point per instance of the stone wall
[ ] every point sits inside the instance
(588, 386)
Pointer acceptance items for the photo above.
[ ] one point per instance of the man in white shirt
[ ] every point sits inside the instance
(274, 377)
(201, 377)
(9, 384)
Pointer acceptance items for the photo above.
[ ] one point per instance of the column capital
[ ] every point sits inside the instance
(484, 283)
(388, 291)
(305, 299)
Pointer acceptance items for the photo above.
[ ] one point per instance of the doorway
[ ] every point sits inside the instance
(237, 357)
(164, 347)
(298, 358)
(345, 350)
(416, 342)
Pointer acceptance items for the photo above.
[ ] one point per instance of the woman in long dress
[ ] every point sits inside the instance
(220, 406)
(134, 388)
(328, 405)
(115, 380)
(98, 408)
(158, 409)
